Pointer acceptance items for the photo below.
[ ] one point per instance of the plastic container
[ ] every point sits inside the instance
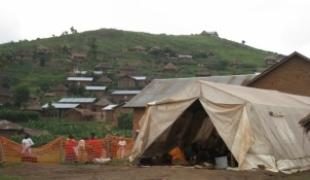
(221, 162)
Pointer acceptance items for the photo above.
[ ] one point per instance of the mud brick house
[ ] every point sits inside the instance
(105, 67)
(80, 81)
(78, 56)
(84, 102)
(131, 82)
(120, 96)
(101, 103)
(170, 67)
(104, 80)
(97, 91)
(291, 75)
(57, 109)
(112, 112)
(77, 114)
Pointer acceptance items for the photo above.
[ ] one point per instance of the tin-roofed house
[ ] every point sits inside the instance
(57, 109)
(78, 114)
(114, 113)
(291, 75)
(153, 91)
(120, 96)
(97, 91)
(79, 81)
(131, 82)
(84, 102)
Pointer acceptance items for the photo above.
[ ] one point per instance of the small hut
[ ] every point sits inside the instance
(170, 67)
(8, 129)
(104, 80)
(60, 90)
(103, 102)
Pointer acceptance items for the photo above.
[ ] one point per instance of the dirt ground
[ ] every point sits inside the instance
(121, 172)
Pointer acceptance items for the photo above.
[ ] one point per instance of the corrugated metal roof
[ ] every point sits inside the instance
(80, 78)
(109, 107)
(77, 100)
(138, 78)
(95, 88)
(126, 92)
(61, 105)
(80, 72)
(98, 72)
(154, 90)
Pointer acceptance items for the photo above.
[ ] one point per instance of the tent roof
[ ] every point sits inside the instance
(161, 88)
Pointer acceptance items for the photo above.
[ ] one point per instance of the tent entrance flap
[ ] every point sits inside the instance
(196, 135)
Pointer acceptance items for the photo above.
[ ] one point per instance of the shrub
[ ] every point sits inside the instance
(18, 116)
(125, 121)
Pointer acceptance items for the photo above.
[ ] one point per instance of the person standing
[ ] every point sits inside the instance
(70, 149)
(122, 147)
(26, 145)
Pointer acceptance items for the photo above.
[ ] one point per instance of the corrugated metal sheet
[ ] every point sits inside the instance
(109, 107)
(154, 91)
(139, 78)
(98, 72)
(80, 78)
(61, 105)
(77, 100)
(95, 88)
(125, 92)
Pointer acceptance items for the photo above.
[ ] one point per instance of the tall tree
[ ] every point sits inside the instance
(21, 95)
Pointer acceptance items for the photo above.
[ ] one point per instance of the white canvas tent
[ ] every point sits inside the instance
(259, 127)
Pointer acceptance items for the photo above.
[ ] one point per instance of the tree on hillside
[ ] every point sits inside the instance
(21, 95)
(73, 31)
(93, 48)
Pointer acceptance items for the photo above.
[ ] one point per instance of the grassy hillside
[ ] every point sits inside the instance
(20, 62)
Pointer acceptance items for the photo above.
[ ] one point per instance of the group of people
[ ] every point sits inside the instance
(89, 149)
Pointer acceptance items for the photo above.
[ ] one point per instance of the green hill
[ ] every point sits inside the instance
(22, 63)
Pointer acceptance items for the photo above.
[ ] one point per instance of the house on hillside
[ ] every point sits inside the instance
(112, 112)
(80, 81)
(271, 60)
(126, 71)
(80, 72)
(131, 82)
(185, 57)
(97, 91)
(78, 56)
(57, 109)
(104, 80)
(5, 95)
(60, 90)
(120, 96)
(209, 33)
(170, 67)
(105, 67)
(101, 103)
(153, 91)
(291, 75)
(84, 102)
(78, 114)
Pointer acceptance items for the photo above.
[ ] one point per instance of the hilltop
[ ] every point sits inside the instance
(21, 62)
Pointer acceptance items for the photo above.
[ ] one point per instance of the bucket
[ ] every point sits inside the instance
(221, 162)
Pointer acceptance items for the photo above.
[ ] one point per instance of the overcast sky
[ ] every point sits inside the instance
(277, 25)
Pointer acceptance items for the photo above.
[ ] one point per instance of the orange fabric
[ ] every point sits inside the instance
(177, 154)
(94, 148)
(70, 146)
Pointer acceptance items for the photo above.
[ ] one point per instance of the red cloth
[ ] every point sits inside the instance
(70, 144)
(94, 148)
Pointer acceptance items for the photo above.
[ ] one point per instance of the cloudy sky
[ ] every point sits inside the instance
(277, 25)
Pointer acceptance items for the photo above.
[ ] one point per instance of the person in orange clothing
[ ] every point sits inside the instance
(93, 147)
(177, 155)
(70, 149)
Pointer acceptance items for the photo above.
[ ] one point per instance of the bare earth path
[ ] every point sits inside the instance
(122, 172)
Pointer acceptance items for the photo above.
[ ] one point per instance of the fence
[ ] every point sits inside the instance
(55, 152)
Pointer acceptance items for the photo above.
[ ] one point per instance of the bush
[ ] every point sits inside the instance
(125, 121)
(18, 116)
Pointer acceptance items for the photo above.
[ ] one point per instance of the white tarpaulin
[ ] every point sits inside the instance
(259, 127)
